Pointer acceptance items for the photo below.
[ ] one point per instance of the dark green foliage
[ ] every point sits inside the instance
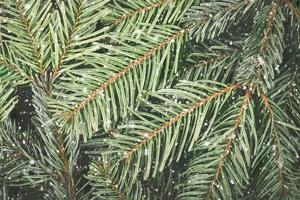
(151, 100)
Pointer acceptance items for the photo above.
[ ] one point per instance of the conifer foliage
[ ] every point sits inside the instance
(151, 99)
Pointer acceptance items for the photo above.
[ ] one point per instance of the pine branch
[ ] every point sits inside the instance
(69, 116)
(275, 142)
(16, 69)
(152, 135)
(229, 144)
(36, 50)
(57, 142)
(264, 48)
(76, 36)
(141, 10)
(69, 41)
(103, 183)
(64, 158)
(270, 25)
(207, 23)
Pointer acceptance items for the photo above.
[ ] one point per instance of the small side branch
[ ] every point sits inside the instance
(229, 144)
(66, 166)
(14, 68)
(276, 144)
(36, 50)
(69, 42)
(112, 184)
(270, 24)
(142, 10)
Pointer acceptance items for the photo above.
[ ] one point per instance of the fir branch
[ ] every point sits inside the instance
(36, 50)
(104, 172)
(197, 105)
(7, 101)
(230, 141)
(69, 41)
(15, 68)
(276, 143)
(77, 108)
(57, 141)
(270, 24)
(136, 80)
(66, 165)
(264, 47)
(18, 153)
(141, 10)
(24, 156)
(103, 183)
(207, 23)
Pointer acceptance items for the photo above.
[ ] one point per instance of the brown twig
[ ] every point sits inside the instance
(16, 154)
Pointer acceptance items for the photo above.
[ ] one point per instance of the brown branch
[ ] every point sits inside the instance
(270, 24)
(66, 166)
(36, 50)
(149, 7)
(275, 142)
(173, 120)
(113, 185)
(70, 114)
(266, 103)
(69, 42)
(230, 141)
